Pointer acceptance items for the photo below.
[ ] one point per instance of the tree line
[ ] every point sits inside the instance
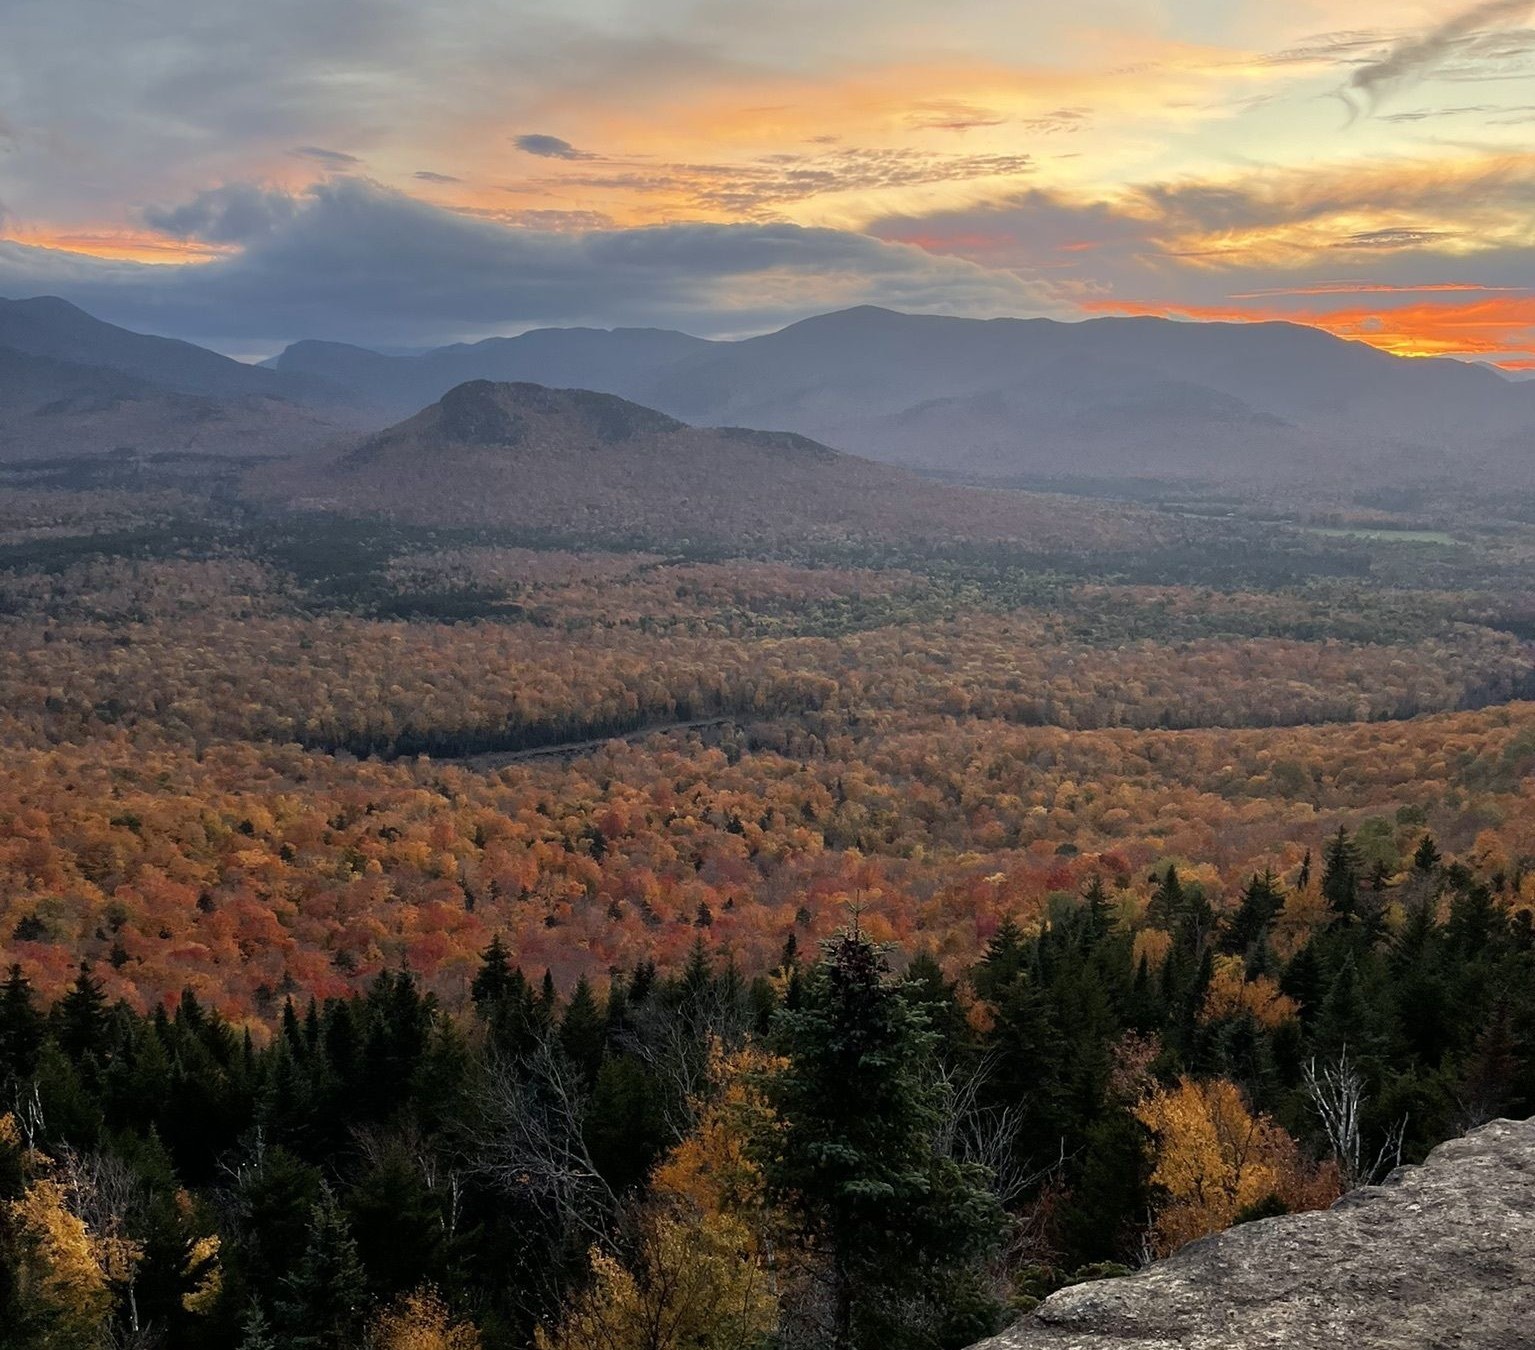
(853, 1149)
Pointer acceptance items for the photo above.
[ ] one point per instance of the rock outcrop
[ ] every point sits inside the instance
(1440, 1256)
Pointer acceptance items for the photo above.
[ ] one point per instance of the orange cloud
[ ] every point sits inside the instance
(118, 245)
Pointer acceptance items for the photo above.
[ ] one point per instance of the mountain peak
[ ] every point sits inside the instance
(489, 414)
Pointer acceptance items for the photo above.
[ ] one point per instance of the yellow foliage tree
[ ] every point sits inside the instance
(66, 1273)
(1231, 992)
(713, 1169)
(1215, 1158)
(694, 1285)
(420, 1320)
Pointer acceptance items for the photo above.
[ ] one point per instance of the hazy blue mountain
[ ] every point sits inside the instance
(49, 327)
(1006, 397)
(624, 361)
(999, 398)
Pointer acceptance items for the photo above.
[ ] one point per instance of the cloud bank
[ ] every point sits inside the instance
(351, 260)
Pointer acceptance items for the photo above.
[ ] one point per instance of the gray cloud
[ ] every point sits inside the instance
(332, 159)
(1392, 238)
(1413, 59)
(361, 263)
(233, 214)
(427, 176)
(548, 147)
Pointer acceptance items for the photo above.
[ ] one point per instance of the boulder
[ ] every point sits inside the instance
(1441, 1255)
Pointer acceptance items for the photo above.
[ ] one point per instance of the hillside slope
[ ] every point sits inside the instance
(50, 407)
(577, 463)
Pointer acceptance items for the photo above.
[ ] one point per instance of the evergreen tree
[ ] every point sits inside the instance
(1262, 899)
(856, 1157)
(255, 1331)
(21, 1033)
(583, 1031)
(1166, 903)
(323, 1300)
(1002, 961)
(1341, 868)
(493, 980)
(80, 1017)
(1426, 858)
(1304, 981)
(1099, 909)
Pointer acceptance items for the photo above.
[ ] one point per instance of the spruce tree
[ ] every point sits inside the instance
(1166, 904)
(323, 1300)
(80, 1017)
(1426, 858)
(583, 1031)
(21, 1033)
(493, 980)
(856, 1160)
(1099, 910)
(1262, 899)
(1341, 867)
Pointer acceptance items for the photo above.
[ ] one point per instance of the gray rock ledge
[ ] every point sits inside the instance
(1440, 1256)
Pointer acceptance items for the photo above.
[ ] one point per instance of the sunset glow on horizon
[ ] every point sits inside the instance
(726, 169)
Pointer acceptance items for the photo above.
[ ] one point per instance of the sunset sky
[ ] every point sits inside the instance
(404, 172)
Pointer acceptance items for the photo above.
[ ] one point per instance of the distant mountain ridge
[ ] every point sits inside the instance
(988, 400)
(1002, 397)
(623, 361)
(72, 384)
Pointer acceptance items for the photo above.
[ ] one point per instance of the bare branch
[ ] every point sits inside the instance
(528, 1140)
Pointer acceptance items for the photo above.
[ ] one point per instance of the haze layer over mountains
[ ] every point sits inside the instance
(997, 400)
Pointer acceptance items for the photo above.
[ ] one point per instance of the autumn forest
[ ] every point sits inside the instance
(433, 934)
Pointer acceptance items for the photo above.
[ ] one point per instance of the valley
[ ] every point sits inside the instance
(541, 728)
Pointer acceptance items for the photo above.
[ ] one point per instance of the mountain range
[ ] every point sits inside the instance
(1002, 400)
(1008, 398)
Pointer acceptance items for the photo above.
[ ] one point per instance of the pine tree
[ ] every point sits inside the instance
(80, 1017)
(255, 1331)
(856, 1157)
(1166, 904)
(1426, 858)
(1262, 899)
(21, 1033)
(1304, 982)
(1340, 874)
(1099, 909)
(323, 1300)
(493, 980)
(1002, 961)
(583, 1030)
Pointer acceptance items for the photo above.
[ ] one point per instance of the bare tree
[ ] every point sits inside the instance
(1337, 1094)
(106, 1195)
(986, 1136)
(675, 1044)
(528, 1140)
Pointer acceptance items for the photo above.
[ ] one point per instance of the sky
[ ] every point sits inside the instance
(401, 173)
